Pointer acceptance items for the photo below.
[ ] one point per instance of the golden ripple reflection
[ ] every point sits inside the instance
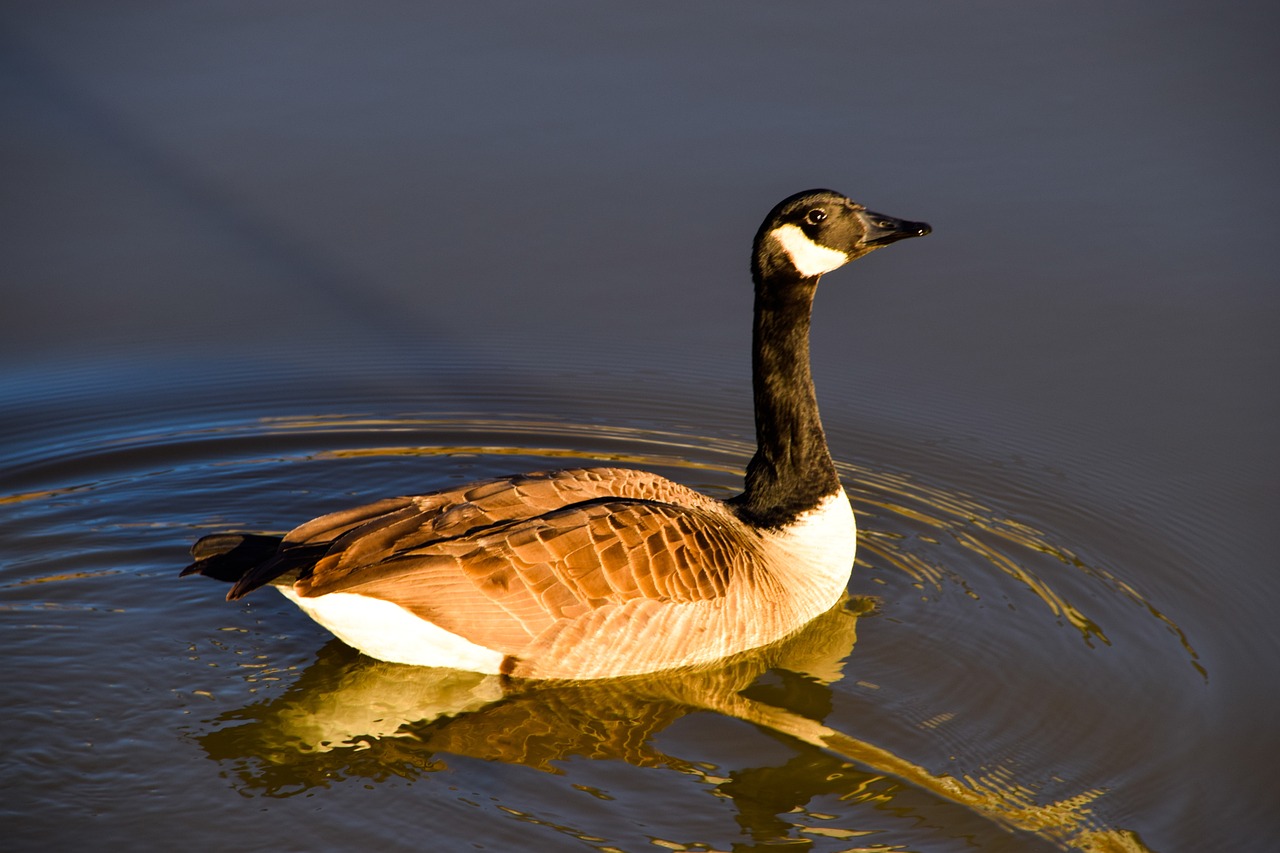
(348, 716)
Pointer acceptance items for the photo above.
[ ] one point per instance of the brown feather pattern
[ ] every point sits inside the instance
(578, 573)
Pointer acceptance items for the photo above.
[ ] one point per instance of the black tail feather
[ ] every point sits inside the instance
(289, 561)
(230, 556)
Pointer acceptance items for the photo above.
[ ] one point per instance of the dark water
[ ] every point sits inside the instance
(265, 262)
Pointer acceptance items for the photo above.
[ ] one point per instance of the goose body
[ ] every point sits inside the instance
(602, 572)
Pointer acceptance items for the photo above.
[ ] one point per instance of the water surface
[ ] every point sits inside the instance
(971, 687)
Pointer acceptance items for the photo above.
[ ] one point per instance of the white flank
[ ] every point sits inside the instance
(808, 257)
(388, 632)
(820, 546)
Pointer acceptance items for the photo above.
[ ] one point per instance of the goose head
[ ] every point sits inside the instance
(817, 231)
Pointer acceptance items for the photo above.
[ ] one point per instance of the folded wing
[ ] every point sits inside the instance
(378, 531)
(524, 584)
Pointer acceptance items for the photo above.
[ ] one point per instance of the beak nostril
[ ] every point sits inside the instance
(882, 229)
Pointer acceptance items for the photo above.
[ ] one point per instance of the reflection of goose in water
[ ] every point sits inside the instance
(349, 716)
(604, 572)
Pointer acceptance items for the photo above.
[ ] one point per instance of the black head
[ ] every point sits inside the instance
(817, 231)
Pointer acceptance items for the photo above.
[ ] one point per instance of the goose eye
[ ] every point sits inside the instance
(815, 216)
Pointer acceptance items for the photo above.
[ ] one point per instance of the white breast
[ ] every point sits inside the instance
(816, 551)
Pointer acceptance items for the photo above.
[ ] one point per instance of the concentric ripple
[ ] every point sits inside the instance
(945, 587)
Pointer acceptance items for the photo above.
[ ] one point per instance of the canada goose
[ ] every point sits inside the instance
(601, 572)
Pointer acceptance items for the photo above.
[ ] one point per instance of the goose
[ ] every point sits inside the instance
(603, 572)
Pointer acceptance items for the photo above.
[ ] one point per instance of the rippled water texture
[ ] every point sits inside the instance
(264, 261)
(967, 689)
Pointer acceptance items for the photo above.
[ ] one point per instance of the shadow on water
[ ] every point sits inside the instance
(348, 716)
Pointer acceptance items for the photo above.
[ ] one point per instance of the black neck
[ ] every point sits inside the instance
(792, 470)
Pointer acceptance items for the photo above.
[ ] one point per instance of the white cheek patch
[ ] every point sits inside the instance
(806, 256)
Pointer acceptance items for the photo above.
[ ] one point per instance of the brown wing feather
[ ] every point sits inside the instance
(455, 512)
(375, 532)
(519, 586)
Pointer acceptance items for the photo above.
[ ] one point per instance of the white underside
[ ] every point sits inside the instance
(388, 632)
(809, 258)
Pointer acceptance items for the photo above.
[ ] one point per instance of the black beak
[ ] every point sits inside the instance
(882, 230)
